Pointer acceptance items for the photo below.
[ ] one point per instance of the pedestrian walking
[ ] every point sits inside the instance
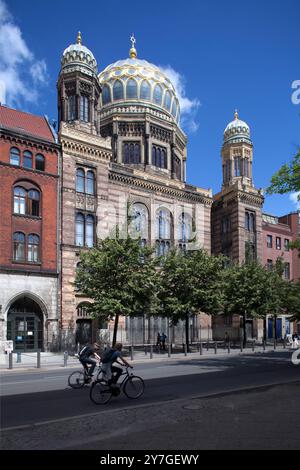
(163, 338)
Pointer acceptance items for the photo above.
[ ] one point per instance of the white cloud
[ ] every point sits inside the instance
(294, 197)
(188, 107)
(20, 72)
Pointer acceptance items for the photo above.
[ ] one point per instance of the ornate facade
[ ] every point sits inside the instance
(121, 143)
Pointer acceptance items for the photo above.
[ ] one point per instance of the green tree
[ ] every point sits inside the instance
(246, 292)
(287, 180)
(189, 283)
(119, 275)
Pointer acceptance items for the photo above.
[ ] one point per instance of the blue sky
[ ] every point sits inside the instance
(224, 55)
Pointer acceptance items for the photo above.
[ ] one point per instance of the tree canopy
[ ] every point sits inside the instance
(119, 276)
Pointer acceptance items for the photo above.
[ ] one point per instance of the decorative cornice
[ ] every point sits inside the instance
(153, 187)
(28, 140)
(77, 142)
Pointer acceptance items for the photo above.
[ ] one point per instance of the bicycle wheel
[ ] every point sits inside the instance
(100, 393)
(134, 387)
(76, 379)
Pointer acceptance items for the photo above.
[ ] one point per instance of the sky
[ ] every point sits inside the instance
(221, 56)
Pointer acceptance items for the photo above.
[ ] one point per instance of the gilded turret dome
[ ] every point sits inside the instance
(79, 57)
(237, 131)
(138, 82)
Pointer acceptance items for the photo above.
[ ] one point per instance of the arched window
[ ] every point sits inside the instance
(126, 150)
(89, 231)
(106, 97)
(154, 155)
(145, 91)
(84, 108)
(27, 159)
(79, 235)
(40, 162)
(157, 94)
(131, 88)
(118, 90)
(132, 152)
(19, 246)
(167, 100)
(15, 156)
(237, 166)
(19, 200)
(34, 202)
(184, 227)
(137, 153)
(247, 221)
(163, 224)
(80, 177)
(159, 157)
(33, 252)
(71, 108)
(140, 220)
(90, 182)
(174, 108)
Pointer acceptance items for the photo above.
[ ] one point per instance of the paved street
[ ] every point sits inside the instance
(188, 403)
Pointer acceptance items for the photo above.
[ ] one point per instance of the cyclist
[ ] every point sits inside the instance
(88, 355)
(110, 356)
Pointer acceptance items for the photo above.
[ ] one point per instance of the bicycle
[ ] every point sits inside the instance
(132, 386)
(80, 378)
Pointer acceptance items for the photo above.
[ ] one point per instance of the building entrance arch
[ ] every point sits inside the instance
(25, 324)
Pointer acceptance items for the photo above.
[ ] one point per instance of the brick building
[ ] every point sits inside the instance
(28, 230)
(278, 233)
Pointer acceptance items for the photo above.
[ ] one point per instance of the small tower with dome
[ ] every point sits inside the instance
(78, 88)
(237, 153)
(237, 208)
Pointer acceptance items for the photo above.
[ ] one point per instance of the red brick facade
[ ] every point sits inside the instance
(46, 182)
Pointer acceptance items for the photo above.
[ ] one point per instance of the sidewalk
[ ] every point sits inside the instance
(58, 360)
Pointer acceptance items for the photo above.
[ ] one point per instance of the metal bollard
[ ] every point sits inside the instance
(10, 360)
(241, 346)
(228, 348)
(275, 344)
(151, 351)
(264, 345)
(18, 356)
(216, 347)
(185, 349)
(169, 350)
(146, 352)
(38, 359)
(207, 345)
(131, 352)
(253, 345)
(284, 343)
(201, 349)
(66, 358)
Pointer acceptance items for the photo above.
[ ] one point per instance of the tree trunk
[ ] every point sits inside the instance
(265, 330)
(187, 341)
(275, 327)
(244, 330)
(115, 330)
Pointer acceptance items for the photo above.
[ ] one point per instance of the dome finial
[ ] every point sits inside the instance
(79, 39)
(132, 52)
(236, 114)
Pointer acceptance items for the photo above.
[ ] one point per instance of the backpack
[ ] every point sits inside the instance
(107, 355)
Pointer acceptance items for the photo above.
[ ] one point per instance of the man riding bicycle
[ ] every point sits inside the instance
(87, 355)
(110, 356)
